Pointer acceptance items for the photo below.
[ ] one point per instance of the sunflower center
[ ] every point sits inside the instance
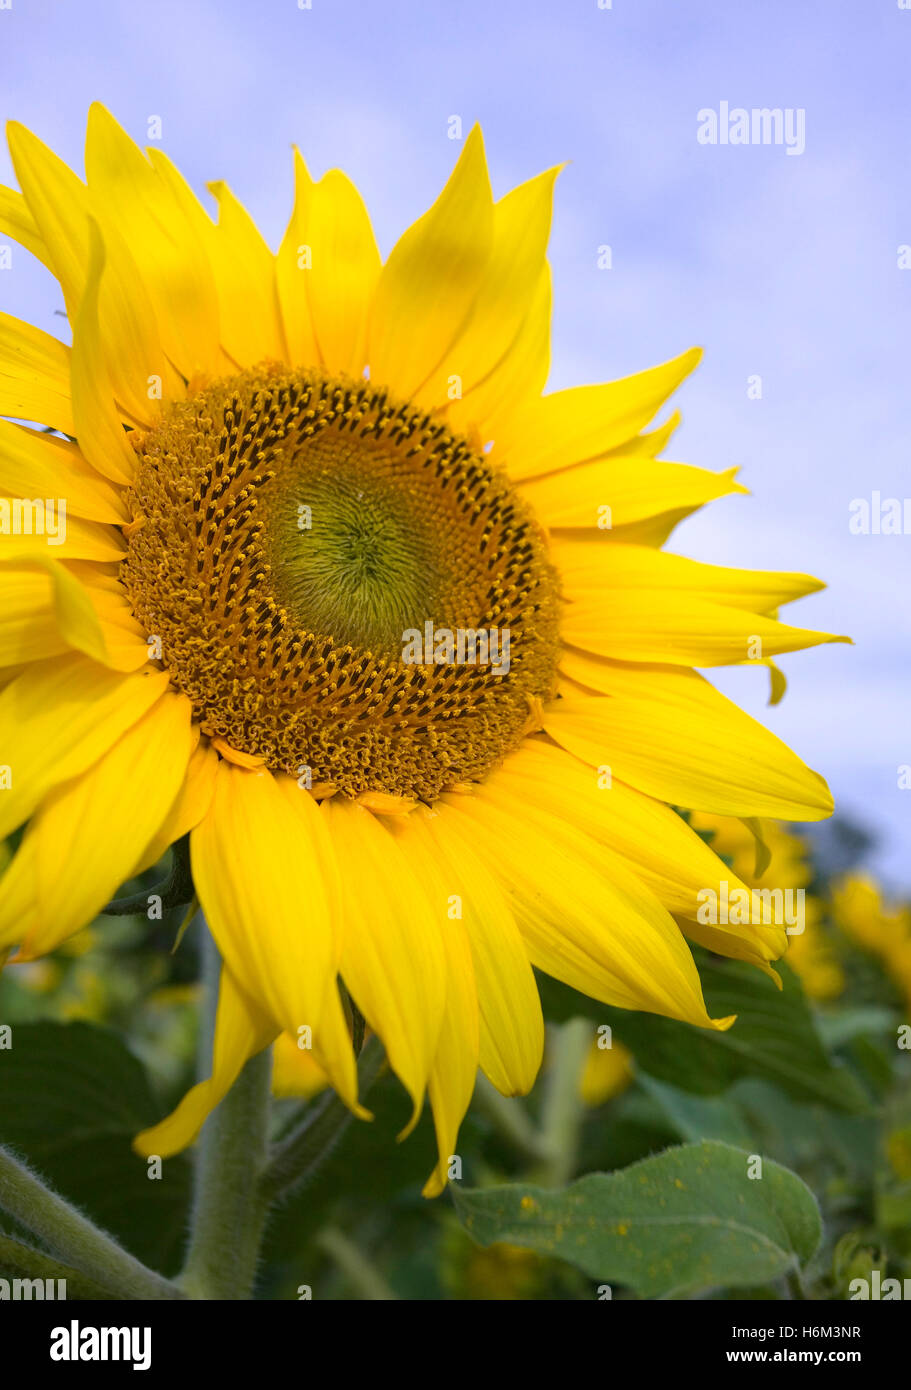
(340, 585)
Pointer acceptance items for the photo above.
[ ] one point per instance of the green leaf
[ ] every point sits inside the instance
(774, 1036)
(686, 1220)
(845, 1024)
(699, 1117)
(72, 1098)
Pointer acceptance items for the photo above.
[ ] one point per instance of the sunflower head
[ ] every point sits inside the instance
(280, 468)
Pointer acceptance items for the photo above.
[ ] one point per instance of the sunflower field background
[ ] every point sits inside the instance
(730, 180)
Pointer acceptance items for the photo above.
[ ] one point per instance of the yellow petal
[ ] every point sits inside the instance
(59, 717)
(675, 737)
(192, 802)
(139, 371)
(35, 464)
(294, 1072)
(24, 534)
(144, 204)
(293, 265)
(512, 1027)
(521, 227)
(244, 270)
(344, 272)
(17, 221)
(585, 918)
(451, 1083)
(670, 858)
(29, 630)
(242, 1030)
(428, 286)
(738, 942)
(607, 1072)
(653, 531)
(585, 566)
(41, 591)
(102, 438)
(60, 205)
(586, 421)
(90, 832)
(34, 375)
(778, 681)
(265, 878)
(126, 647)
(455, 1065)
(55, 198)
(28, 625)
(649, 444)
(392, 957)
(520, 375)
(633, 603)
(617, 491)
(683, 629)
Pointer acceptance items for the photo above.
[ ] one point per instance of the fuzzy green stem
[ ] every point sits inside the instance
(21, 1261)
(229, 1214)
(561, 1113)
(509, 1116)
(71, 1236)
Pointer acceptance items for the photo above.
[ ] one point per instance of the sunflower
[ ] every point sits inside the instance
(781, 859)
(276, 467)
(606, 1073)
(881, 929)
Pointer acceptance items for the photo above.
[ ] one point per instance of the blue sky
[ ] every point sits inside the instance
(782, 266)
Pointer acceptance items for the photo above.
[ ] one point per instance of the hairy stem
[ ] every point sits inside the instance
(73, 1237)
(229, 1213)
(561, 1113)
(21, 1261)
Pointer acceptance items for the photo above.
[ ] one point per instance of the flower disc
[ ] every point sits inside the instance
(290, 530)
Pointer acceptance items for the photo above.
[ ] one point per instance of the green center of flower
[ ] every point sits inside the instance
(341, 586)
(350, 553)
